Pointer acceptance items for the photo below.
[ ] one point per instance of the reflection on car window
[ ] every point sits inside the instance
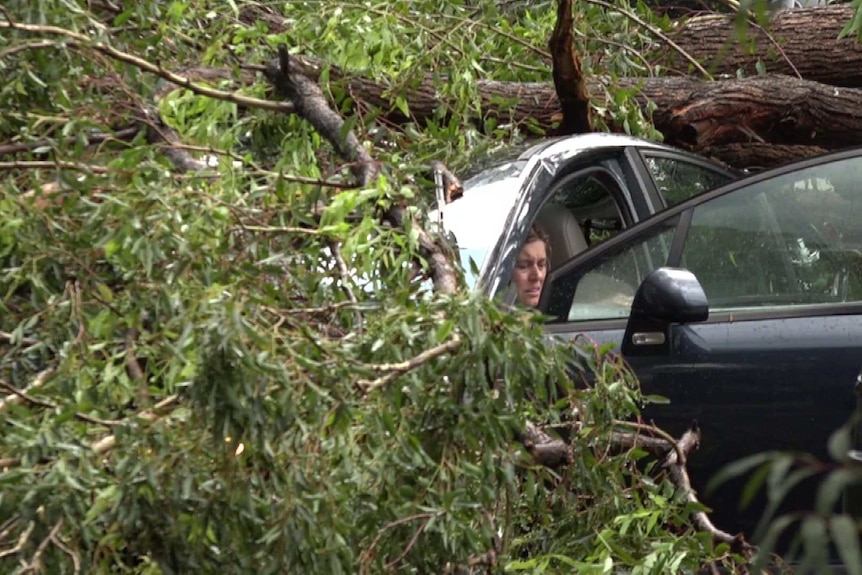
(475, 220)
(678, 180)
(790, 240)
(606, 289)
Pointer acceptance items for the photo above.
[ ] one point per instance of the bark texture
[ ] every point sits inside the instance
(802, 42)
(568, 73)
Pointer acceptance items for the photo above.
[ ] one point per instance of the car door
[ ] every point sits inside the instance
(568, 182)
(779, 256)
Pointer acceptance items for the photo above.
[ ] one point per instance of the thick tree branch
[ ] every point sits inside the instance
(569, 81)
(732, 116)
(802, 42)
(290, 80)
(309, 103)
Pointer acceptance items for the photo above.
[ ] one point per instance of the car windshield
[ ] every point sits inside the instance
(476, 219)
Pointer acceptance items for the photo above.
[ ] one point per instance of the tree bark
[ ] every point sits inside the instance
(568, 73)
(802, 42)
(801, 116)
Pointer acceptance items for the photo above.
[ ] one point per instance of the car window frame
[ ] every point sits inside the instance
(640, 162)
(684, 212)
(537, 188)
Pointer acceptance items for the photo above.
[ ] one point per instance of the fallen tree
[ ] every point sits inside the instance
(198, 377)
(803, 43)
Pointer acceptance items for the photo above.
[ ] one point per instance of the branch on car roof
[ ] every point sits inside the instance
(291, 81)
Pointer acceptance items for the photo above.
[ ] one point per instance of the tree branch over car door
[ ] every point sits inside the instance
(569, 81)
(310, 103)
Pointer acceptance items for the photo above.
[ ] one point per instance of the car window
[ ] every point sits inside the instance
(588, 199)
(605, 289)
(491, 193)
(790, 240)
(678, 179)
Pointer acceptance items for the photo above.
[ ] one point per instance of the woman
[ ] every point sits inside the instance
(532, 267)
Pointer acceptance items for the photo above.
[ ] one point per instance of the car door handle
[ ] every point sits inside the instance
(648, 338)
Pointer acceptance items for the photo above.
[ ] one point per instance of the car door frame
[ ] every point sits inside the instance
(680, 217)
(539, 184)
(684, 212)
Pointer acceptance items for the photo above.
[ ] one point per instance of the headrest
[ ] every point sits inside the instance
(564, 233)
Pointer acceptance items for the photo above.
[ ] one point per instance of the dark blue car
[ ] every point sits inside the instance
(754, 327)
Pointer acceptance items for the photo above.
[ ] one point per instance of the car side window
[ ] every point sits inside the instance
(788, 240)
(605, 289)
(678, 179)
(580, 212)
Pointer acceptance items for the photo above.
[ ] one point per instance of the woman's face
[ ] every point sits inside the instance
(530, 271)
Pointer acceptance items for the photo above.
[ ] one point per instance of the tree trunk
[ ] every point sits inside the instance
(802, 42)
(796, 114)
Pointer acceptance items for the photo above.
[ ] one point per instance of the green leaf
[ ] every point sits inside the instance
(845, 532)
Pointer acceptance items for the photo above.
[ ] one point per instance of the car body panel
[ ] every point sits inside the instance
(500, 210)
(773, 376)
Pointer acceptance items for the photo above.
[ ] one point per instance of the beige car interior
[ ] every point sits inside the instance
(567, 239)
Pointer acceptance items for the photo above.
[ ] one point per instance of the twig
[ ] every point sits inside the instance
(105, 444)
(37, 382)
(36, 562)
(368, 553)
(675, 464)
(48, 164)
(410, 544)
(335, 248)
(133, 366)
(156, 69)
(400, 368)
(42, 403)
(93, 138)
(64, 547)
(278, 229)
(7, 337)
(22, 541)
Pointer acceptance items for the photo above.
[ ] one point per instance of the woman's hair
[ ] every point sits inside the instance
(537, 234)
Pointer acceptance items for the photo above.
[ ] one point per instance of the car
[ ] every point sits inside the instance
(608, 181)
(737, 297)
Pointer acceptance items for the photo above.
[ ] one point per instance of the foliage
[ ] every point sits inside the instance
(217, 380)
(833, 526)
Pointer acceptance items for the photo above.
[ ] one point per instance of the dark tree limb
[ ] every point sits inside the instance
(732, 117)
(291, 80)
(569, 81)
(310, 104)
(545, 450)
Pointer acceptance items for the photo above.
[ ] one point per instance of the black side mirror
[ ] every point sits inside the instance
(666, 296)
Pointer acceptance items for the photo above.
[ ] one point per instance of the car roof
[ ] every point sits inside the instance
(489, 203)
(580, 143)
